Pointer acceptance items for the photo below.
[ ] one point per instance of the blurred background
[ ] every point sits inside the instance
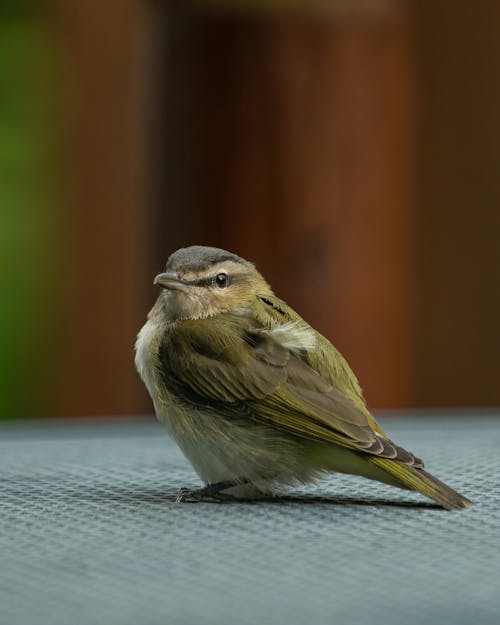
(350, 148)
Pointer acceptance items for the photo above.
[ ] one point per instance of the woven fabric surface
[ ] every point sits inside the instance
(90, 534)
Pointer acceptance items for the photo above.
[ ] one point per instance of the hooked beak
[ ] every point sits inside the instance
(170, 281)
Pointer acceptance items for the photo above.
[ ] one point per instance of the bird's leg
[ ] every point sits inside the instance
(208, 492)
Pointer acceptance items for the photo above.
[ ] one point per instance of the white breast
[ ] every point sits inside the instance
(145, 351)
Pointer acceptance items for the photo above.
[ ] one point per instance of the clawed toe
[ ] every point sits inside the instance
(186, 495)
(208, 493)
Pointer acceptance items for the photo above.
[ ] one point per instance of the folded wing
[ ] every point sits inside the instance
(241, 369)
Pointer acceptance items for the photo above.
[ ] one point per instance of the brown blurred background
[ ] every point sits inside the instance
(351, 149)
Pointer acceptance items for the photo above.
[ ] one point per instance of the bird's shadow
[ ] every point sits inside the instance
(321, 500)
(338, 500)
(138, 496)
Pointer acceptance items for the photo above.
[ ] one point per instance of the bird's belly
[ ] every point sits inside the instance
(221, 449)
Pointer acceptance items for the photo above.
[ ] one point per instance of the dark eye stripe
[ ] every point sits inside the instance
(200, 282)
(204, 282)
(239, 277)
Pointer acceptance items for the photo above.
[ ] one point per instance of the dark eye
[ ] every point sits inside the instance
(221, 280)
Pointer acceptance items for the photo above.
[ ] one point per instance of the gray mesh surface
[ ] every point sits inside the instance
(90, 535)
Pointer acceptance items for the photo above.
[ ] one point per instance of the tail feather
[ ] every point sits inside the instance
(423, 482)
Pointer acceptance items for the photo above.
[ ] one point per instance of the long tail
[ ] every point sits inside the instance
(423, 482)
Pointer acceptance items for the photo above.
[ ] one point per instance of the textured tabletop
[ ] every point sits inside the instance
(90, 534)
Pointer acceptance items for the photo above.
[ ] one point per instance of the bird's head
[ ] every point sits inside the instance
(200, 282)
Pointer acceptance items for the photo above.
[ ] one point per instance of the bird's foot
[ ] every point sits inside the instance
(211, 492)
(188, 495)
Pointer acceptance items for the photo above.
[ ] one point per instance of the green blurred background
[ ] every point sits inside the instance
(350, 148)
(28, 210)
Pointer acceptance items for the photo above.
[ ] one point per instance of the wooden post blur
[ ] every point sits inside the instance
(458, 297)
(104, 267)
(305, 141)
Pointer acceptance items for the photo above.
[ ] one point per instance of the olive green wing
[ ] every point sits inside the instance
(230, 363)
(323, 358)
(309, 406)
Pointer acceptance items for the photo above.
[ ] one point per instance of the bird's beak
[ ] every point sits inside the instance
(170, 281)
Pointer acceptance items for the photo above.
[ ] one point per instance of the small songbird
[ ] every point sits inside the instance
(255, 398)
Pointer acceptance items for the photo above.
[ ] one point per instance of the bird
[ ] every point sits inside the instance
(255, 398)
